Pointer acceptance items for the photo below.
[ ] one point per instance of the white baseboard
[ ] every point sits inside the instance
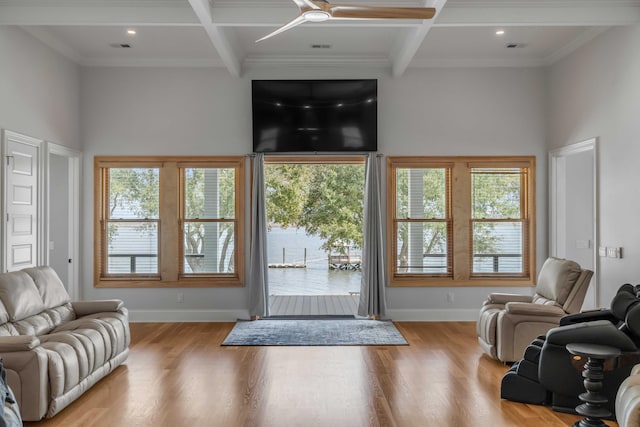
(400, 315)
(137, 316)
(434, 315)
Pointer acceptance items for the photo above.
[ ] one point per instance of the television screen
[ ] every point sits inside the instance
(314, 115)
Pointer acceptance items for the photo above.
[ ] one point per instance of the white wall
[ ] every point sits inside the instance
(39, 89)
(595, 92)
(204, 111)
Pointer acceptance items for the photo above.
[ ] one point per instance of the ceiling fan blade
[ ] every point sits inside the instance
(297, 21)
(345, 11)
(306, 4)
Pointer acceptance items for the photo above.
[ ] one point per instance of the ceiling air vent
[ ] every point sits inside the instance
(120, 45)
(515, 45)
(320, 46)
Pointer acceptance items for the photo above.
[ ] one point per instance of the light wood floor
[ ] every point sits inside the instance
(313, 305)
(179, 375)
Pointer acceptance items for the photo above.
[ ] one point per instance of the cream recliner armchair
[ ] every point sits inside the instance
(509, 322)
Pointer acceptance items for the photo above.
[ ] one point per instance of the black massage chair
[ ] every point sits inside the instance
(549, 375)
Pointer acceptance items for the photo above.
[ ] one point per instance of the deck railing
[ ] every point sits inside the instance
(133, 264)
(494, 257)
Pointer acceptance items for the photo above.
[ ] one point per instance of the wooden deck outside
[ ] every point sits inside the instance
(313, 305)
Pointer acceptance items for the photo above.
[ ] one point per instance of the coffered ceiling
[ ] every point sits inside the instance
(222, 33)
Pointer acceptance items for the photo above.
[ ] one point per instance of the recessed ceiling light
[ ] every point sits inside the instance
(499, 32)
(131, 32)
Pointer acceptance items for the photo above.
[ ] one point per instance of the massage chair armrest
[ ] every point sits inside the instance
(600, 332)
(589, 316)
(534, 309)
(84, 308)
(502, 298)
(18, 343)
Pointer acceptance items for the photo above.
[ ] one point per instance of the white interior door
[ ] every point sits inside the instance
(21, 201)
(573, 209)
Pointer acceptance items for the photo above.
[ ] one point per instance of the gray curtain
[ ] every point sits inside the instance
(372, 289)
(258, 274)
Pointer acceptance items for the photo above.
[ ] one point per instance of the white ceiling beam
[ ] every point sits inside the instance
(407, 46)
(91, 13)
(544, 14)
(271, 14)
(222, 39)
(465, 13)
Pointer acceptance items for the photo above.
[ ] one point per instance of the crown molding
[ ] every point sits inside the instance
(485, 62)
(582, 39)
(317, 60)
(47, 37)
(152, 62)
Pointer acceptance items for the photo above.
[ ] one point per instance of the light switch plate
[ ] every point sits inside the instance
(614, 252)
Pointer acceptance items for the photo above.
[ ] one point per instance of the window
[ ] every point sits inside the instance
(461, 221)
(168, 221)
(132, 221)
(423, 220)
(208, 221)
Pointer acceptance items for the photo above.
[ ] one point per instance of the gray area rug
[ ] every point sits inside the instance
(316, 332)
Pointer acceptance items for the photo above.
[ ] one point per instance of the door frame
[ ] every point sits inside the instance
(74, 158)
(557, 214)
(311, 159)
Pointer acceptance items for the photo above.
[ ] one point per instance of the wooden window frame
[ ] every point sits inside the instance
(170, 223)
(460, 248)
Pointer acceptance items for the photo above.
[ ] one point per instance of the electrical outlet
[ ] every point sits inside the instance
(450, 297)
(180, 297)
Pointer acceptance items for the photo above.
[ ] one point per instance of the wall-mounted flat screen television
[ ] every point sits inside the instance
(314, 115)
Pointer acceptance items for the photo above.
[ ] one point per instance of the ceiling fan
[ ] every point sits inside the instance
(322, 10)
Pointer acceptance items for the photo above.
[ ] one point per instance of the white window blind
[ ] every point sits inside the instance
(422, 223)
(209, 223)
(132, 221)
(499, 228)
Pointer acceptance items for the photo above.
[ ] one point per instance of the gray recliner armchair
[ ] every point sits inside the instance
(509, 322)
